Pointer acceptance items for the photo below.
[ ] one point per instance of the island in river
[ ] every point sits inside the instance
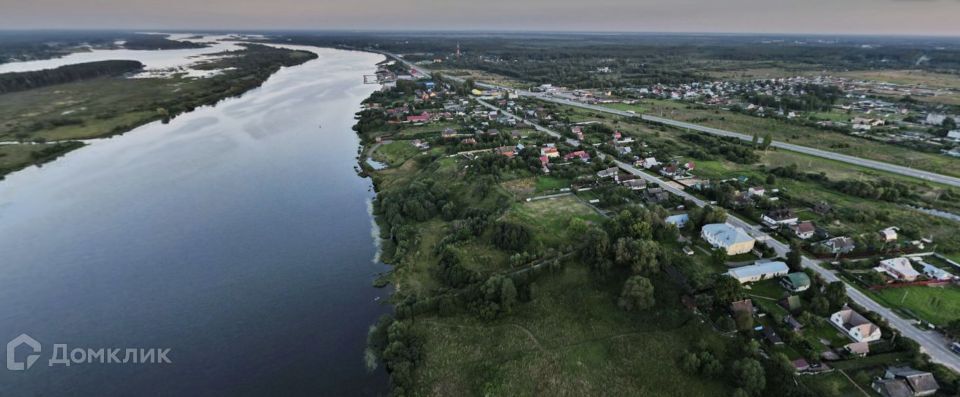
(43, 122)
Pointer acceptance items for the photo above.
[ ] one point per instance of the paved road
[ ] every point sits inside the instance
(877, 165)
(932, 343)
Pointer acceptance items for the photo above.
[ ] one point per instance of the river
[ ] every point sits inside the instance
(238, 236)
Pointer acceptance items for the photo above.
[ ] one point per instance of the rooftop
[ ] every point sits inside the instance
(759, 269)
(726, 234)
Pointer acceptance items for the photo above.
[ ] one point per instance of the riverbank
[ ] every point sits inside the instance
(104, 107)
(479, 314)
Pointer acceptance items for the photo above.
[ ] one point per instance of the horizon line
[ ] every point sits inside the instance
(479, 31)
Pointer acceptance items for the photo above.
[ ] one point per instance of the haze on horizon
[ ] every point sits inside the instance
(893, 17)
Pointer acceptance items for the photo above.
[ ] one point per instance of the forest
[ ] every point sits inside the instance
(576, 60)
(10, 82)
(46, 44)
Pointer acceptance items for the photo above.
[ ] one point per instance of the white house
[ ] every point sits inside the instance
(889, 234)
(779, 217)
(935, 119)
(898, 268)
(936, 273)
(855, 325)
(756, 192)
(758, 272)
(730, 238)
(649, 162)
(803, 230)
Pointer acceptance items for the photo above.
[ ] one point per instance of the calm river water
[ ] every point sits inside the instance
(238, 236)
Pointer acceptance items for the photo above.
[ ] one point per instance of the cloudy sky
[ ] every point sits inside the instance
(936, 17)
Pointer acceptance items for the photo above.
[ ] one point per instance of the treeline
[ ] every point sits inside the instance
(20, 81)
(883, 189)
(641, 59)
(157, 42)
(813, 98)
(709, 148)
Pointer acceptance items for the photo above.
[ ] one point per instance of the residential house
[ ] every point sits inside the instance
(448, 133)
(550, 151)
(771, 336)
(634, 184)
(756, 191)
(892, 388)
(577, 131)
(889, 234)
(796, 282)
(855, 325)
(779, 217)
(421, 118)
(671, 170)
(803, 230)
(509, 151)
(758, 272)
(608, 173)
(859, 349)
(469, 141)
(679, 220)
(657, 195)
(935, 119)
(921, 383)
(840, 245)
(732, 239)
(649, 162)
(792, 324)
(579, 154)
(899, 268)
(935, 273)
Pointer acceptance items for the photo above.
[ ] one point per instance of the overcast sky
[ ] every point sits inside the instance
(936, 17)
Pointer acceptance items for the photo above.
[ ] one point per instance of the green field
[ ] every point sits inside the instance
(395, 153)
(571, 340)
(938, 305)
(833, 384)
(548, 183)
(550, 218)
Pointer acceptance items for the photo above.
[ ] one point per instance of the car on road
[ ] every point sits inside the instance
(955, 347)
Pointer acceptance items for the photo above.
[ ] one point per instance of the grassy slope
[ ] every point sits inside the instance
(938, 305)
(571, 340)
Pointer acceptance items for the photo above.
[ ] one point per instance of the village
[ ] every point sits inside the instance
(789, 309)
